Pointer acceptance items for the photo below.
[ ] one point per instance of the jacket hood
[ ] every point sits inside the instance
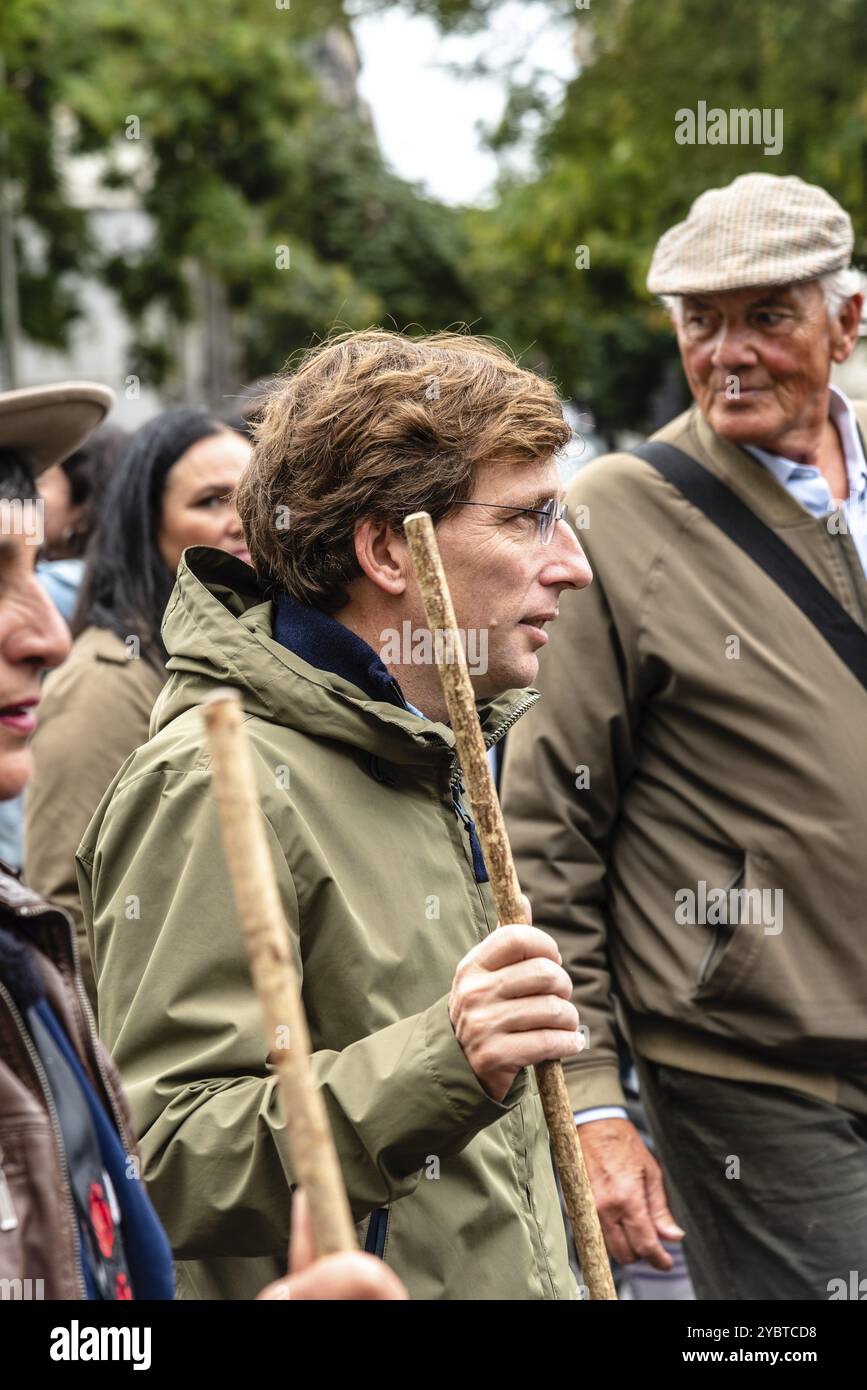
(218, 631)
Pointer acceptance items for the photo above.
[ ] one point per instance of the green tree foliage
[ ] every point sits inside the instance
(610, 176)
(451, 15)
(242, 155)
(212, 113)
(32, 60)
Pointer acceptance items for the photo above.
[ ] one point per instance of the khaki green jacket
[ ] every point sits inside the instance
(95, 711)
(376, 882)
(695, 728)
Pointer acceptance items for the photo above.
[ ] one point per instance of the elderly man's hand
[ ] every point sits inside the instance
(510, 1005)
(629, 1193)
(354, 1277)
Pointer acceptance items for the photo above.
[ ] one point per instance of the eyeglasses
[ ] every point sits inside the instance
(552, 512)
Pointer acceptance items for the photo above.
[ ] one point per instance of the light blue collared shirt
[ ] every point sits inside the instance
(810, 487)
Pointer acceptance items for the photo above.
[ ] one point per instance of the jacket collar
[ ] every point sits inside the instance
(322, 641)
(43, 924)
(743, 473)
(738, 468)
(16, 899)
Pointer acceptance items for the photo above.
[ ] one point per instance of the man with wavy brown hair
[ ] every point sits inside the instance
(424, 1022)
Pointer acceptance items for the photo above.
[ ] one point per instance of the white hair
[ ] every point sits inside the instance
(840, 285)
(836, 285)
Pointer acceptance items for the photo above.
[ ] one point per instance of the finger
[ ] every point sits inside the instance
(350, 1277)
(532, 1014)
(617, 1241)
(528, 909)
(657, 1203)
(642, 1236)
(302, 1246)
(537, 976)
(546, 1045)
(282, 1289)
(514, 942)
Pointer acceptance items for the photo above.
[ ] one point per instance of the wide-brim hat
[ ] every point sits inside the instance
(45, 424)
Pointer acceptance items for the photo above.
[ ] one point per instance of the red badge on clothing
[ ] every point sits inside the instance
(101, 1219)
(122, 1290)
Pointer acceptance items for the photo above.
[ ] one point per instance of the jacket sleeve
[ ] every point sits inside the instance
(567, 764)
(178, 1011)
(93, 715)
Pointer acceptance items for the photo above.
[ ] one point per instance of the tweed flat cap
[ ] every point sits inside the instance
(761, 229)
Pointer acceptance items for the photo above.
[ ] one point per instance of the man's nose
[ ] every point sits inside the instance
(568, 565)
(40, 635)
(733, 347)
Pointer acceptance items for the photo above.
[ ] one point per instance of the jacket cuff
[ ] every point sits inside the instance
(455, 1080)
(590, 1087)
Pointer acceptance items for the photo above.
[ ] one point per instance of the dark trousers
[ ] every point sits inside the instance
(769, 1184)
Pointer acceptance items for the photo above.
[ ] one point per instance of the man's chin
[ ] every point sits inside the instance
(743, 421)
(516, 675)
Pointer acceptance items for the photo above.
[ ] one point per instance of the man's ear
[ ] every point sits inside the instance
(844, 329)
(382, 554)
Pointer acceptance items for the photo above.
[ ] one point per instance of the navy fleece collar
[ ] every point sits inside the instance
(328, 645)
(323, 642)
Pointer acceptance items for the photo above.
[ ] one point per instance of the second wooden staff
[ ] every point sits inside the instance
(472, 755)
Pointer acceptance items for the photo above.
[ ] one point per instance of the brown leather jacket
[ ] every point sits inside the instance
(37, 1222)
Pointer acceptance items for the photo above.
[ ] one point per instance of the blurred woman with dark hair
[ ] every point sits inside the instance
(171, 489)
(71, 494)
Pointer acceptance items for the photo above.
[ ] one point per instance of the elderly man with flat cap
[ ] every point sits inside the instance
(688, 802)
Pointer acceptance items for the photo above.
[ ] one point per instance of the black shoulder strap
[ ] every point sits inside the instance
(726, 510)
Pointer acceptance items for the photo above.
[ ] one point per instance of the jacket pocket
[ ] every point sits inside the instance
(733, 944)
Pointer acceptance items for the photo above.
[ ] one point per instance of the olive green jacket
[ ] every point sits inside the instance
(376, 882)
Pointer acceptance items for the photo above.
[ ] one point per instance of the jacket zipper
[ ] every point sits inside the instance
(495, 736)
(456, 787)
(853, 587)
(8, 1215)
(36, 1062)
(377, 1233)
(480, 868)
(506, 725)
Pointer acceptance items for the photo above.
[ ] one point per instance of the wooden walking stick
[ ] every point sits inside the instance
(311, 1146)
(472, 755)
